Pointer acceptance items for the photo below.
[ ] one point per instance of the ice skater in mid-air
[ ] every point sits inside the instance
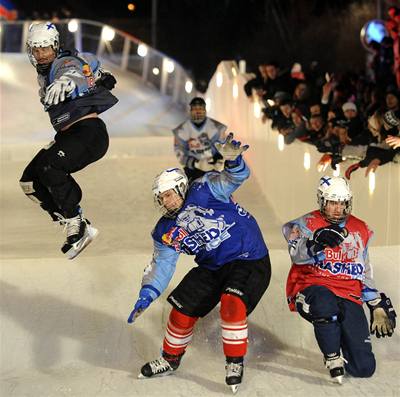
(74, 90)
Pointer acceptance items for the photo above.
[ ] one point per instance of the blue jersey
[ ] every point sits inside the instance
(210, 226)
(88, 97)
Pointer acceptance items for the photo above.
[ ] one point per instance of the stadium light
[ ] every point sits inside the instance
(373, 30)
(142, 50)
(235, 90)
(307, 161)
(220, 79)
(107, 34)
(169, 66)
(281, 142)
(208, 104)
(188, 86)
(371, 182)
(73, 25)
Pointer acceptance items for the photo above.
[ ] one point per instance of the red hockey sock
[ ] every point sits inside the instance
(179, 332)
(234, 325)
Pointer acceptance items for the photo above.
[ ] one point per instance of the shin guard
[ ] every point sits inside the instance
(234, 326)
(179, 333)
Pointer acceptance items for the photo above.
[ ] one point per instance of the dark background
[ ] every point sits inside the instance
(201, 33)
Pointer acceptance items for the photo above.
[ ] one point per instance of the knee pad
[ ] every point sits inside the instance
(27, 188)
(325, 320)
(232, 309)
(181, 320)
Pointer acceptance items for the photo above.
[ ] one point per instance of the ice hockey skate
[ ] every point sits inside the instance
(162, 366)
(80, 233)
(234, 375)
(336, 368)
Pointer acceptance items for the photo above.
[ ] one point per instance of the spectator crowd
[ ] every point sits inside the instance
(353, 116)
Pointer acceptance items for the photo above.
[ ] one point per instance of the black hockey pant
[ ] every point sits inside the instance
(47, 178)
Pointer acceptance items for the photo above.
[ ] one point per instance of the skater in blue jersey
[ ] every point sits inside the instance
(74, 90)
(233, 262)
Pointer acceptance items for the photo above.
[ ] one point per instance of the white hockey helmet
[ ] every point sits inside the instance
(42, 34)
(171, 178)
(335, 189)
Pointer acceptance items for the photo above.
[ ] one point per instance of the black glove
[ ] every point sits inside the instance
(107, 80)
(328, 236)
(383, 316)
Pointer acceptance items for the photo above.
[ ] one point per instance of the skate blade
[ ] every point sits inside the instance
(234, 388)
(90, 234)
(338, 380)
(141, 376)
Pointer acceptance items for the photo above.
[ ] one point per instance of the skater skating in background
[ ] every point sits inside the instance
(195, 139)
(74, 90)
(331, 278)
(233, 262)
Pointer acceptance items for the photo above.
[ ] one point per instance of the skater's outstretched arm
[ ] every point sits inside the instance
(235, 172)
(156, 278)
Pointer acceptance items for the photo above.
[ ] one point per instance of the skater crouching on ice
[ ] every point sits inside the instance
(233, 262)
(74, 90)
(331, 278)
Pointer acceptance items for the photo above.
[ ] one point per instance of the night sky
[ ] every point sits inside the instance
(201, 33)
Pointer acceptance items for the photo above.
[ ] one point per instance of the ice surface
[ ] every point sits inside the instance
(63, 323)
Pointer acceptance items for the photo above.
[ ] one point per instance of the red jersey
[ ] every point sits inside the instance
(344, 270)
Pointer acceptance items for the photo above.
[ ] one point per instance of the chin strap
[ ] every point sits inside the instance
(43, 69)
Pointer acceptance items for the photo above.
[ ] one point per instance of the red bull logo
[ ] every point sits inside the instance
(342, 255)
(174, 236)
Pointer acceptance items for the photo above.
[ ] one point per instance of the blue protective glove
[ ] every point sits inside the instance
(146, 296)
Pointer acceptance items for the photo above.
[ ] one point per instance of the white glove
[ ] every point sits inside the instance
(58, 90)
(230, 150)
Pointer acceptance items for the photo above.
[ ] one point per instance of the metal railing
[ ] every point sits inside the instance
(118, 48)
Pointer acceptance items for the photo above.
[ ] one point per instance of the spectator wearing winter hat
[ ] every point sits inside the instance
(355, 126)
(349, 110)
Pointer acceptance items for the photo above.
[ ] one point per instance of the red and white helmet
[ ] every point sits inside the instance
(337, 189)
(171, 178)
(42, 34)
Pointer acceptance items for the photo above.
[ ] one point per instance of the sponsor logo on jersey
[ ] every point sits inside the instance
(346, 254)
(206, 230)
(174, 237)
(353, 269)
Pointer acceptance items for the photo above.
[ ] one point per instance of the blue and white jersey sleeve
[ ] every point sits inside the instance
(158, 274)
(296, 235)
(369, 291)
(82, 71)
(223, 184)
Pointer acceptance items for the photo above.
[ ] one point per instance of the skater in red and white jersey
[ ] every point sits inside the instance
(331, 278)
